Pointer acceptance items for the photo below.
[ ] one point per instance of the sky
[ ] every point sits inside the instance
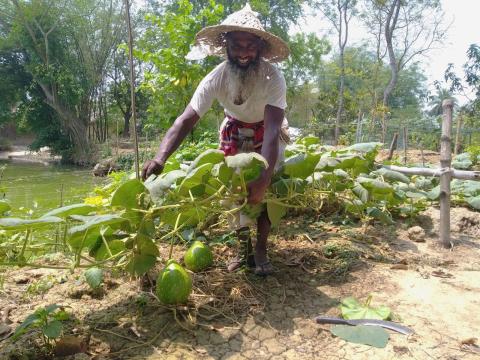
(463, 31)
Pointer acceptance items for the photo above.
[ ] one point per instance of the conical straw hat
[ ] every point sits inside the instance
(211, 40)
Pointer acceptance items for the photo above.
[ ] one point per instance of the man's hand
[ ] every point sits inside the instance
(256, 190)
(152, 167)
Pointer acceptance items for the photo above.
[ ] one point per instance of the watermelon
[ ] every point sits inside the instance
(198, 257)
(174, 284)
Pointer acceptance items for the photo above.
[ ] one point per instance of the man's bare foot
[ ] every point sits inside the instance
(263, 266)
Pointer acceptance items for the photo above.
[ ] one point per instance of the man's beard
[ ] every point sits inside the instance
(242, 79)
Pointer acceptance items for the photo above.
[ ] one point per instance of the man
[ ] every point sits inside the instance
(253, 94)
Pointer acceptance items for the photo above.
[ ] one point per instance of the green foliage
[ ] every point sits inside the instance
(352, 309)
(165, 44)
(48, 320)
(362, 334)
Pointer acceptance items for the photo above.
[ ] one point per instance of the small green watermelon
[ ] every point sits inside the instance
(198, 257)
(174, 284)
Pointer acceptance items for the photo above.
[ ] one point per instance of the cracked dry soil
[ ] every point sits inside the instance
(239, 316)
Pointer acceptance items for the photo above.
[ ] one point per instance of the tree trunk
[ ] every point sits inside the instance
(126, 124)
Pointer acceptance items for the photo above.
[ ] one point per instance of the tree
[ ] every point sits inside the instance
(406, 35)
(339, 13)
(66, 47)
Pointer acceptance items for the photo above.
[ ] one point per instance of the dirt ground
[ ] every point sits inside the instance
(239, 316)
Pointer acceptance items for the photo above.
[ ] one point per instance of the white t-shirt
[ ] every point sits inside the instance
(269, 90)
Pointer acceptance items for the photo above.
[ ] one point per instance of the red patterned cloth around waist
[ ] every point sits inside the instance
(237, 136)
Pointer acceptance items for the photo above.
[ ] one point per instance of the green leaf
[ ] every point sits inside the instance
(115, 246)
(210, 156)
(112, 220)
(129, 195)
(308, 140)
(361, 192)
(18, 224)
(284, 187)
(29, 321)
(75, 209)
(352, 309)
(301, 165)
(362, 334)
(434, 194)
(4, 206)
(198, 176)
(365, 147)
(52, 329)
(92, 227)
(94, 277)
(250, 160)
(474, 202)
(380, 215)
(140, 264)
(375, 185)
(275, 212)
(393, 175)
(163, 183)
(222, 172)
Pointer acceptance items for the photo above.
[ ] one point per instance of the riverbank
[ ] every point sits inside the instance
(21, 153)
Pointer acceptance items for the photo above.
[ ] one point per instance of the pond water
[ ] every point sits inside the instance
(44, 187)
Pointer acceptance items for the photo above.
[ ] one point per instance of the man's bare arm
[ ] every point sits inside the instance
(182, 126)
(273, 119)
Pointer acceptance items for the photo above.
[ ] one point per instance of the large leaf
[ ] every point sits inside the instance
(392, 175)
(222, 172)
(285, 187)
(246, 161)
(361, 193)
(75, 209)
(115, 247)
(380, 215)
(89, 232)
(362, 334)
(275, 212)
(474, 202)
(364, 147)
(210, 156)
(94, 277)
(198, 176)
(164, 182)
(301, 165)
(112, 220)
(375, 185)
(189, 217)
(352, 309)
(4, 207)
(129, 195)
(52, 329)
(139, 264)
(18, 224)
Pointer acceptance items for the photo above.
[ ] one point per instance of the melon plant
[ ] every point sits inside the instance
(198, 257)
(174, 284)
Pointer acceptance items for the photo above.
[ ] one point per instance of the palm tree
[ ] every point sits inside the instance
(436, 101)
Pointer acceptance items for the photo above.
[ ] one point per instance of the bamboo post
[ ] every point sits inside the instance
(404, 145)
(457, 136)
(393, 146)
(132, 88)
(446, 177)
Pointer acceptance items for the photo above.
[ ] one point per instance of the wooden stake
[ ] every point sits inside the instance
(446, 177)
(132, 88)
(405, 145)
(457, 136)
(393, 146)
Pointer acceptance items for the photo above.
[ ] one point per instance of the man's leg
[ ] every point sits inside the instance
(263, 266)
(245, 252)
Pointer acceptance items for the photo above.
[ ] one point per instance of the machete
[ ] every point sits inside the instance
(372, 322)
